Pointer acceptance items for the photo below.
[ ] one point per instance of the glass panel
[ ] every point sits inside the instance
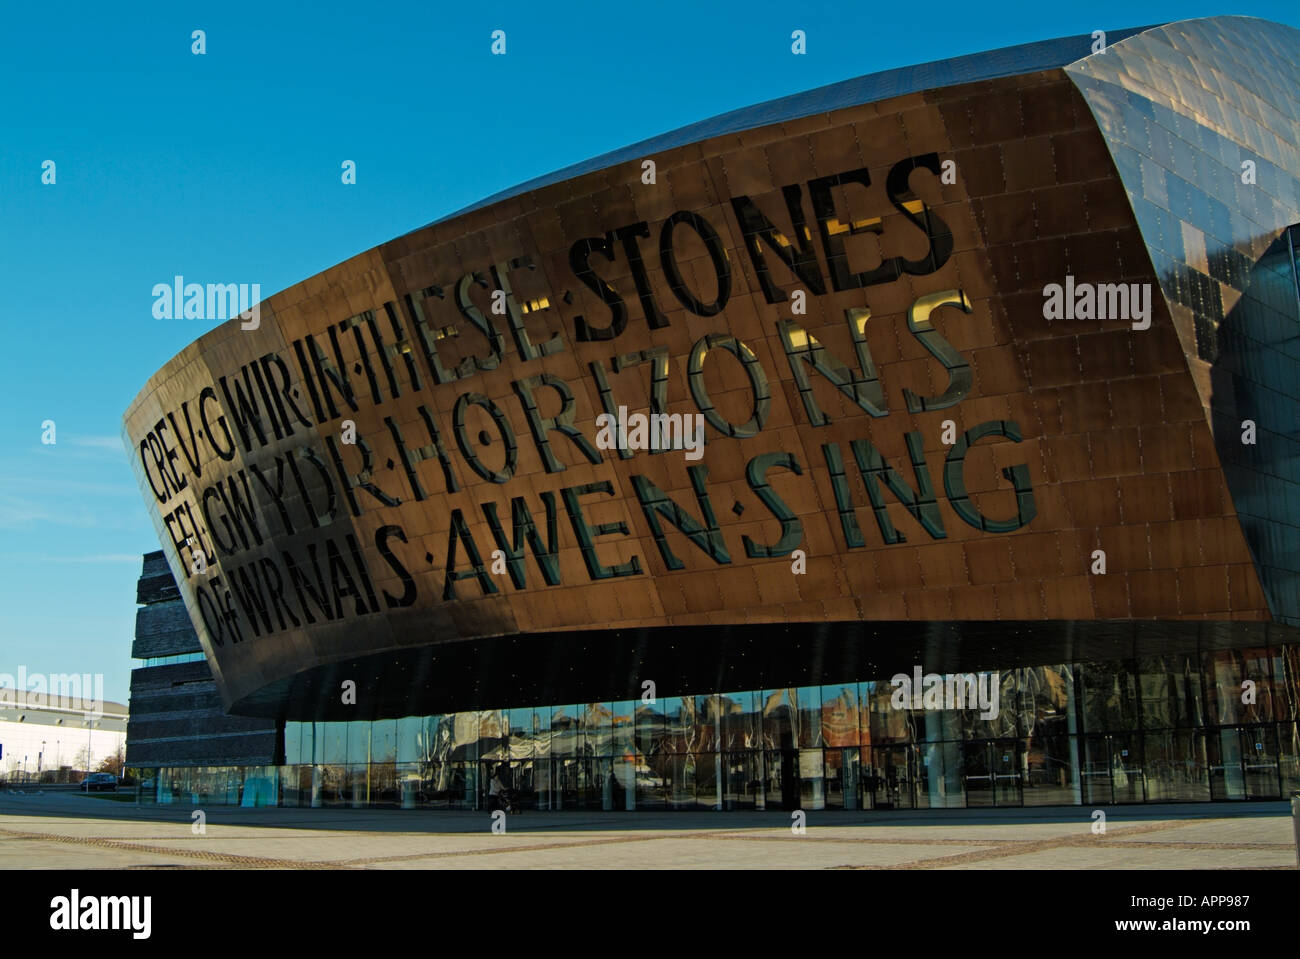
(705, 724)
(296, 786)
(743, 780)
(381, 785)
(741, 728)
(978, 775)
(493, 735)
(650, 728)
(841, 776)
(1095, 776)
(411, 739)
(708, 781)
(1289, 757)
(408, 782)
(1224, 673)
(839, 717)
(1177, 768)
(332, 784)
(625, 782)
(358, 742)
(292, 743)
(607, 729)
(1259, 747)
(651, 778)
(334, 742)
(1128, 779)
(619, 734)
(993, 702)
(781, 779)
(536, 720)
(1052, 777)
(465, 735)
(441, 739)
(806, 714)
(674, 719)
(1265, 669)
(1109, 691)
(1047, 701)
(564, 732)
(885, 724)
(1008, 772)
(383, 741)
(679, 788)
(812, 785)
(778, 728)
(895, 783)
(572, 783)
(1290, 682)
(1171, 691)
(938, 771)
(435, 785)
(358, 780)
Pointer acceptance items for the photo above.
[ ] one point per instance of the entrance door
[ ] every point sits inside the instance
(743, 787)
(842, 779)
(1259, 759)
(896, 772)
(992, 773)
(573, 782)
(1008, 785)
(1112, 769)
(978, 771)
(782, 779)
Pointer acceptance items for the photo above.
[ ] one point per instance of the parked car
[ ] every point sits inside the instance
(99, 781)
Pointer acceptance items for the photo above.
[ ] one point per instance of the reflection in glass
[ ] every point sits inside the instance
(1147, 730)
(1177, 769)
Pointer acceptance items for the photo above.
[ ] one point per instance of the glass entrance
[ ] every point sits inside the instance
(992, 773)
(1008, 785)
(896, 777)
(1244, 763)
(1112, 770)
(574, 789)
(1259, 759)
(781, 786)
(978, 767)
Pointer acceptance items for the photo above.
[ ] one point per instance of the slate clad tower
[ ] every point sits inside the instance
(996, 363)
(177, 718)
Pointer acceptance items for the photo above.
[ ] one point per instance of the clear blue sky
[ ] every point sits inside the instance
(225, 168)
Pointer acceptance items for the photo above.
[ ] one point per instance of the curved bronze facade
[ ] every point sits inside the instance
(398, 476)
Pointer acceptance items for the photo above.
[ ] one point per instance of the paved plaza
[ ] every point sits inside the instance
(61, 831)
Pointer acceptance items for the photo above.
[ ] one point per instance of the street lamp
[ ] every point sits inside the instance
(89, 724)
(39, 756)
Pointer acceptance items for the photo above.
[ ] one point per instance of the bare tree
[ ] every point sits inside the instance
(114, 763)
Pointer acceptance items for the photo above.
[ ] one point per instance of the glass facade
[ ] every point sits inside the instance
(1213, 724)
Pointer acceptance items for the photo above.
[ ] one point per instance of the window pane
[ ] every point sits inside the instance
(1176, 766)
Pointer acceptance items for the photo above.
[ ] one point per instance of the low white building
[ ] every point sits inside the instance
(45, 734)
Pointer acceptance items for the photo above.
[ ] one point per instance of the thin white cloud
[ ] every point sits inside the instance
(16, 512)
(110, 443)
